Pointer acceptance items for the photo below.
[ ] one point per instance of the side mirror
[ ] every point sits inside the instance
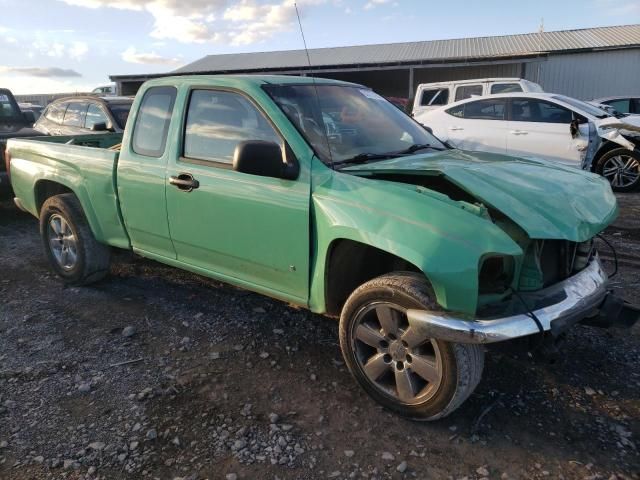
(574, 128)
(99, 127)
(29, 116)
(265, 159)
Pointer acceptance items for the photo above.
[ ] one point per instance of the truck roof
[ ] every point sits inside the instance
(247, 80)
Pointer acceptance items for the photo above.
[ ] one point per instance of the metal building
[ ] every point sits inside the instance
(585, 63)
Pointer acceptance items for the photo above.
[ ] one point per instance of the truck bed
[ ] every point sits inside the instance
(84, 164)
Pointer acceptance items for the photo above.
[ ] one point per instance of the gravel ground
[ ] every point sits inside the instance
(158, 373)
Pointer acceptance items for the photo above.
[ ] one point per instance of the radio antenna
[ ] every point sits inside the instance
(315, 87)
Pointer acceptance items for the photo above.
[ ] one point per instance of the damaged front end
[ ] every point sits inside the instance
(581, 297)
(553, 216)
(623, 132)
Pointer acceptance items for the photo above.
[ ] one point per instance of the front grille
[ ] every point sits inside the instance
(550, 261)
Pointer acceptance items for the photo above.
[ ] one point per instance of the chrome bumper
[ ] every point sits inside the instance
(579, 297)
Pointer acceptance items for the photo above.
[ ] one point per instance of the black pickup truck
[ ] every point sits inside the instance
(13, 123)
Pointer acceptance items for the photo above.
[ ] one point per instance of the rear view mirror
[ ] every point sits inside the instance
(265, 159)
(99, 127)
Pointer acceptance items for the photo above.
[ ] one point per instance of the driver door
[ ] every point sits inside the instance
(245, 229)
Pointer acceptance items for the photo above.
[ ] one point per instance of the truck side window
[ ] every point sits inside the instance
(152, 123)
(505, 87)
(468, 91)
(217, 121)
(437, 96)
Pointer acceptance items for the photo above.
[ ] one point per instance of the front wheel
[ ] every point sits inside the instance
(621, 167)
(417, 377)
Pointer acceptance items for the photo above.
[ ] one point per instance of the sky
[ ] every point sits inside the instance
(53, 46)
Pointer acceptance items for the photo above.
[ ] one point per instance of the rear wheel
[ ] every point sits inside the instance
(621, 167)
(69, 244)
(417, 377)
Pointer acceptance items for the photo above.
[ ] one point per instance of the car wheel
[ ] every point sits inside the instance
(69, 244)
(417, 377)
(621, 167)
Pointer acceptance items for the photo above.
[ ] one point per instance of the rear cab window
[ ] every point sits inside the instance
(153, 120)
(468, 91)
(7, 107)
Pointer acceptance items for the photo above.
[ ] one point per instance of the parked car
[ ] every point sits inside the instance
(105, 91)
(84, 115)
(13, 123)
(424, 252)
(544, 125)
(430, 96)
(31, 107)
(622, 104)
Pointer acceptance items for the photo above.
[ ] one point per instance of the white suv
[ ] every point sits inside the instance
(433, 95)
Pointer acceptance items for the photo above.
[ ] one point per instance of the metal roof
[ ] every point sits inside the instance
(466, 49)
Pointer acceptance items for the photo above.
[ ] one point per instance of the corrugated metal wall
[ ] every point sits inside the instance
(589, 75)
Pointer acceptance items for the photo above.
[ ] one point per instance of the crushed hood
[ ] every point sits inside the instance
(545, 199)
(615, 129)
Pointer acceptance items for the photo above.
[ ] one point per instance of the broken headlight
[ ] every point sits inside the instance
(496, 274)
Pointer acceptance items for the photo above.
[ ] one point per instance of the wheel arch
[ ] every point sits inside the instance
(344, 272)
(605, 148)
(47, 188)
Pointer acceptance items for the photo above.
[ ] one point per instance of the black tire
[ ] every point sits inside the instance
(92, 258)
(605, 163)
(460, 364)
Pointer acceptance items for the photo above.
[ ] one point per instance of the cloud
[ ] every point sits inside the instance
(374, 3)
(241, 22)
(46, 72)
(617, 8)
(75, 50)
(131, 55)
(78, 50)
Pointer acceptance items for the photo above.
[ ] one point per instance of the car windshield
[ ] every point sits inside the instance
(7, 107)
(585, 107)
(120, 112)
(346, 123)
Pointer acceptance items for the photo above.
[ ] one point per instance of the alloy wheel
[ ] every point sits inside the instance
(621, 170)
(62, 242)
(394, 358)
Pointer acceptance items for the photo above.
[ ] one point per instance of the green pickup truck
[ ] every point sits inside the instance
(322, 194)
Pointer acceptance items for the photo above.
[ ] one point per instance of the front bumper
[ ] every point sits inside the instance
(578, 297)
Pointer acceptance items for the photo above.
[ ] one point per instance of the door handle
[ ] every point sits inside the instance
(184, 182)
(518, 132)
(456, 128)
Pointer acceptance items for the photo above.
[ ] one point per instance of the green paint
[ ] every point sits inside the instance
(273, 236)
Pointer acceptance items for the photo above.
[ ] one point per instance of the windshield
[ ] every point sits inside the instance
(120, 112)
(7, 107)
(344, 122)
(585, 107)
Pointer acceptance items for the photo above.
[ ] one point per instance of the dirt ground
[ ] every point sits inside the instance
(226, 384)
